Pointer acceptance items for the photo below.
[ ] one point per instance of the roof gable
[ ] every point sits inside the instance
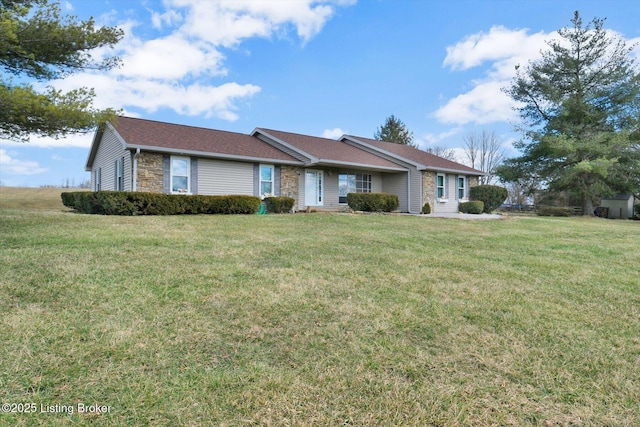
(328, 151)
(422, 158)
(149, 134)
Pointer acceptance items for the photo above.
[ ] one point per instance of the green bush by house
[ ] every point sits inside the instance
(554, 211)
(137, 203)
(491, 195)
(279, 204)
(473, 207)
(426, 209)
(373, 202)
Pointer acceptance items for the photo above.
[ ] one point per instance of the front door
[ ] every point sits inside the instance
(313, 188)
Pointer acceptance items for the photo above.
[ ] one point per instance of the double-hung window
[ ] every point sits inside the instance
(180, 175)
(353, 183)
(266, 180)
(440, 186)
(462, 187)
(97, 180)
(119, 174)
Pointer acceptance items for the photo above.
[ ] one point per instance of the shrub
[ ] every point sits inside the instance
(426, 209)
(554, 211)
(373, 202)
(135, 203)
(637, 210)
(473, 207)
(491, 195)
(279, 204)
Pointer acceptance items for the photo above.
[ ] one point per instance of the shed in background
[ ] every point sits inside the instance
(619, 207)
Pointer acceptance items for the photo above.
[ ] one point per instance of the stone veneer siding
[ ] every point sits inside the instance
(473, 181)
(150, 172)
(428, 188)
(289, 181)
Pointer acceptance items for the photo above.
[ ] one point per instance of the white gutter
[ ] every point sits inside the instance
(135, 169)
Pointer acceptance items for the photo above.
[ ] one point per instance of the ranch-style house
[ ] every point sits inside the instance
(131, 154)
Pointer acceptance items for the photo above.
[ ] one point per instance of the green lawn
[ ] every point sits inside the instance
(318, 319)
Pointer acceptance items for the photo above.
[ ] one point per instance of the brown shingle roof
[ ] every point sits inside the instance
(149, 133)
(331, 150)
(429, 160)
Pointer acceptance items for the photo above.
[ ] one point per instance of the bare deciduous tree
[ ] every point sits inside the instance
(444, 152)
(484, 152)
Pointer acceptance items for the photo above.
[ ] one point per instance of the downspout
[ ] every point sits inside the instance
(135, 169)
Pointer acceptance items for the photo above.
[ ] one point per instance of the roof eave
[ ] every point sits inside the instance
(213, 155)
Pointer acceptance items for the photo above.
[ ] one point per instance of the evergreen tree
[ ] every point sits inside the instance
(580, 107)
(38, 44)
(394, 130)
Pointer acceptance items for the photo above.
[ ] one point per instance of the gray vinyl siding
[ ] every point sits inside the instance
(221, 177)
(110, 149)
(396, 183)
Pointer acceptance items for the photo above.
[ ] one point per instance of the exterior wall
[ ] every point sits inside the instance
(396, 183)
(289, 183)
(150, 172)
(222, 177)
(451, 190)
(331, 199)
(109, 150)
(619, 208)
(429, 189)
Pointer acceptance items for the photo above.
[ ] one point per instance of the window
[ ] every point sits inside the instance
(440, 187)
(462, 187)
(353, 183)
(97, 180)
(119, 173)
(266, 180)
(180, 172)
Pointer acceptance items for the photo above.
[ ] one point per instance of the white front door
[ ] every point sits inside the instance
(313, 188)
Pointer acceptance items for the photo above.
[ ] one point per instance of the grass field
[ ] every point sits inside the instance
(316, 319)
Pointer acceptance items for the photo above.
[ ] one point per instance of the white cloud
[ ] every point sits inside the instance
(496, 53)
(15, 166)
(485, 103)
(227, 23)
(432, 139)
(182, 69)
(334, 133)
(173, 57)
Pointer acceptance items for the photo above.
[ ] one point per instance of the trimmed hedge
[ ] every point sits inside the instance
(135, 203)
(473, 207)
(426, 209)
(491, 195)
(373, 202)
(554, 211)
(279, 204)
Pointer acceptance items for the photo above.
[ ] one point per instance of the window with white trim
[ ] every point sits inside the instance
(180, 175)
(97, 179)
(462, 187)
(440, 186)
(353, 183)
(266, 180)
(119, 174)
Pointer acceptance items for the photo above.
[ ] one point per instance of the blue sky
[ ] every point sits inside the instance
(321, 68)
